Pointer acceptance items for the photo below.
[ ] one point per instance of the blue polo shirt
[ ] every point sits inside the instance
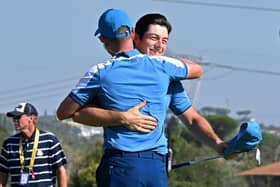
(123, 82)
(179, 100)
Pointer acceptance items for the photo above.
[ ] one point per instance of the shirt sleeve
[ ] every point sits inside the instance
(87, 87)
(176, 69)
(57, 155)
(180, 102)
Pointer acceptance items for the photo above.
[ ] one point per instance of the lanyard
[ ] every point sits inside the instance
(34, 150)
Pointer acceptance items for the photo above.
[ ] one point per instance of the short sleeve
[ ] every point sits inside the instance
(176, 69)
(87, 87)
(180, 102)
(57, 155)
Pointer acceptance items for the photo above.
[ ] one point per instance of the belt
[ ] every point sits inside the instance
(149, 154)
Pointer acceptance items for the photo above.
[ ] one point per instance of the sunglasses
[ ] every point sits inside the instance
(17, 117)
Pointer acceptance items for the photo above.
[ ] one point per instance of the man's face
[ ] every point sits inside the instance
(22, 122)
(154, 41)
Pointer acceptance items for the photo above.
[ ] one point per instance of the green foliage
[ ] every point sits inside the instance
(84, 154)
(268, 147)
(76, 147)
(3, 133)
(224, 126)
(209, 173)
(243, 112)
(6, 123)
(85, 177)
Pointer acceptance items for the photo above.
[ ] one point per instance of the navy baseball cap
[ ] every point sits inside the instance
(111, 21)
(248, 137)
(23, 108)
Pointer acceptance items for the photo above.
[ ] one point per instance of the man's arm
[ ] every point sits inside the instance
(61, 176)
(202, 129)
(132, 119)
(194, 70)
(3, 179)
(67, 108)
(94, 116)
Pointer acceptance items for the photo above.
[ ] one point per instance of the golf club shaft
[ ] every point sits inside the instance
(188, 163)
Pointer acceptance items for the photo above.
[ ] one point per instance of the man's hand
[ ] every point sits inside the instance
(3, 179)
(220, 147)
(134, 120)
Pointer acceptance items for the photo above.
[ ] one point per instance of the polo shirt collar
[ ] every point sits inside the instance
(126, 54)
(29, 139)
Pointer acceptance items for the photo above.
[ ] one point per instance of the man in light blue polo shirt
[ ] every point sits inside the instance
(130, 158)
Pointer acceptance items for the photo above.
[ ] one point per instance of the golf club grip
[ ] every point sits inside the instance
(174, 166)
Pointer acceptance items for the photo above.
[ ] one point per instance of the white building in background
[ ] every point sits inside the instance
(86, 131)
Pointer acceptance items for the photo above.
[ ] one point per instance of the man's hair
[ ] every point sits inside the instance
(124, 30)
(145, 21)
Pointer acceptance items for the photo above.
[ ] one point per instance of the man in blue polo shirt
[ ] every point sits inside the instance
(151, 37)
(130, 158)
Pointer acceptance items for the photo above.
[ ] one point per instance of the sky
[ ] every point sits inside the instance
(45, 46)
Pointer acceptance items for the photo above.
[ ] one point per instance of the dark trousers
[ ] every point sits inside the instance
(132, 169)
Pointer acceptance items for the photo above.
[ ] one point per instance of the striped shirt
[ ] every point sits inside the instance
(49, 157)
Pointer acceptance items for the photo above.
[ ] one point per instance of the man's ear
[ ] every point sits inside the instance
(32, 117)
(136, 38)
(133, 33)
(101, 38)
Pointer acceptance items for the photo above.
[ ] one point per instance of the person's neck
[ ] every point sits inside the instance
(124, 46)
(28, 132)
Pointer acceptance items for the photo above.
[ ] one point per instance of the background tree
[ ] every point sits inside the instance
(85, 175)
(84, 153)
(205, 111)
(3, 133)
(209, 173)
(268, 147)
(243, 115)
(224, 126)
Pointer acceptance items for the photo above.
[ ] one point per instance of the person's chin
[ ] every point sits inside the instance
(155, 53)
(18, 128)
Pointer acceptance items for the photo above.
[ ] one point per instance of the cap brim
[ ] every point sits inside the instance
(14, 114)
(97, 32)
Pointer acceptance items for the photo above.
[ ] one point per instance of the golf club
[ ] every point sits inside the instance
(247, 139)
(191, 162)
